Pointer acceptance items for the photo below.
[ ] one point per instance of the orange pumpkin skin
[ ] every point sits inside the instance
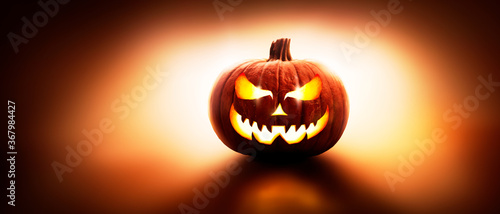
(279, 75)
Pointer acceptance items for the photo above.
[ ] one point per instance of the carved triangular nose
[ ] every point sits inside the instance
(279, 111)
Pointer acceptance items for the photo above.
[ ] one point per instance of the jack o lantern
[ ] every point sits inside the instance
(279, 106)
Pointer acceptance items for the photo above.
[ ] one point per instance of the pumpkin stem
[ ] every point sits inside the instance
(280, 50)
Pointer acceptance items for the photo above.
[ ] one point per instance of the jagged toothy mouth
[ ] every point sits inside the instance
(266, 136)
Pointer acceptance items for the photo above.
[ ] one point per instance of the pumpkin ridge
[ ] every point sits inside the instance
(345, 106)
(298, 84)
(233, 72)
(317, 145)
(219, 108)
(302, 113)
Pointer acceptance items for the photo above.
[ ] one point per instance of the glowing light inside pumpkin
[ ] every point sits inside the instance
(247, 91)
(385, 84)
(309, 91)
(292, 136)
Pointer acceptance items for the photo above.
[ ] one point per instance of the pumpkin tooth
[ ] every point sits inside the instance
(247, 124)
(267, 137)
(261, 126)
(292, 128)
(315, 123)
(311, 126)
(255, 128)
(244, 129)
(320, 125)
(294, 136)
(288, 126)
(310, 129)
(265, 131)
(303, 127)
(264, 128)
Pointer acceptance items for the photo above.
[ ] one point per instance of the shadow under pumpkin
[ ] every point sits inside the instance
(310, 185)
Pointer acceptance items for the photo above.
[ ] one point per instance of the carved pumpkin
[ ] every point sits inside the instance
(279, 106)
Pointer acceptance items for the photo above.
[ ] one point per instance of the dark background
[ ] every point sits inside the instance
(88, 54)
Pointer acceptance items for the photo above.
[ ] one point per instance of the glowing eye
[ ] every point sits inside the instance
(309, 91)
(247, 91)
